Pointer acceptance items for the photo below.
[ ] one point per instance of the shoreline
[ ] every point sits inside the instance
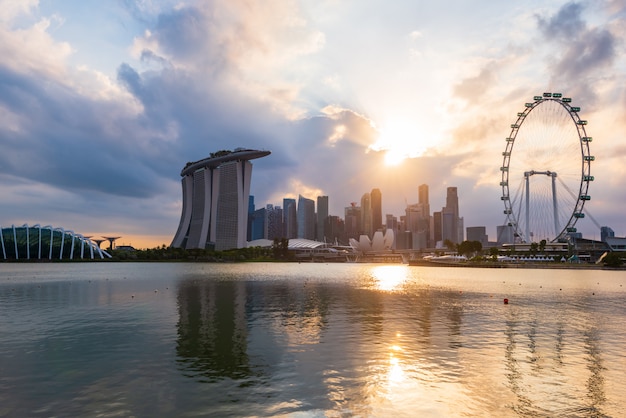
(547, 266)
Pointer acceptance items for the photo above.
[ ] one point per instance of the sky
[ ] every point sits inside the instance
(103, 103)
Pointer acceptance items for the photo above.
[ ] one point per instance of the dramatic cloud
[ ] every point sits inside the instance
(329, 87)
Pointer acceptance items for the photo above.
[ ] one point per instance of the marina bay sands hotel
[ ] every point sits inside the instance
(215, 200)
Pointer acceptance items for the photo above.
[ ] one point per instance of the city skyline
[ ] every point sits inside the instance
(102, 103)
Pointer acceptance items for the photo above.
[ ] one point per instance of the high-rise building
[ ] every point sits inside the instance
(451, 227)
(250, 217)
(335, 231)
(258, 224)
(290, 218)
(418, 222)
(606, 232)
(505, 234)
(306, 218)
(437, 227)
(366, 215)
(322, 214)
(352, 219)
(477, 233)
(425, 209)
(216, 194)
(376, 201)
(273, 222)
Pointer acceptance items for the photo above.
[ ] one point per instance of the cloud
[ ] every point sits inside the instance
(203, 76)
(565, 25)
(474, 87)
(585, 51)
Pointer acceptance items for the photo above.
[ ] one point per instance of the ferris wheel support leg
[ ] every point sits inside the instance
(526, 176)
(555, 206)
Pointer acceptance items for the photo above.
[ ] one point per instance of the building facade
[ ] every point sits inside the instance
(306, 218)
(290, 218)
(322, 215)
(216, 194)
(376, 201)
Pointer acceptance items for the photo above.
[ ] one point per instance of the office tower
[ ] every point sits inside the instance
(451, 228)
(422, 192)
(290, 218)
(437, 228)
(273, 222)
(352, 219)
(404, 240)
(257, 227)
(322, 214)
(306, 218)
(335, 230)
(606, 232)
(425, 208)
(391, 222)
(250, 217)
(418, 222)
(216, 194)
(477, 233)
(505, 234)
(376, 200)
(366, 215)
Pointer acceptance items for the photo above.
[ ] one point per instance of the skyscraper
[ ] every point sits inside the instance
(437, 227)
(366, 215)
(274, 222)
(425, 208)
(451, 227)
(290, 218)
(216, 194)
(477, 233)
(306, 218)
(377, 209)
(322, 214)
(352, 218)
(606, 232)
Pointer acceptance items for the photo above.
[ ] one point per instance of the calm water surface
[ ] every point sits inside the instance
(310, 340)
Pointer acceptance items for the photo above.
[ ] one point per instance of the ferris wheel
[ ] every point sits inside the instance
(546, 170)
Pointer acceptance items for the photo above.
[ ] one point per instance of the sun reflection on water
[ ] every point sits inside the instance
(389, 277)
(395, 373)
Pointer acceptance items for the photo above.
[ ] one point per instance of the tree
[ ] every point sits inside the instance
(542, 245)
(494, 252)
(613, 259)
(280, 248)
(469, 248)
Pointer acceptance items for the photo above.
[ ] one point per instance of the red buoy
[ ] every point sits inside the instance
(506, 301)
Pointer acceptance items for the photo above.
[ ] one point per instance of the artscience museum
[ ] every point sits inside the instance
(378, 243)
(46, 243)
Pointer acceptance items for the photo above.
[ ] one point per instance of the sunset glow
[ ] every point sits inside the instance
(347, 97)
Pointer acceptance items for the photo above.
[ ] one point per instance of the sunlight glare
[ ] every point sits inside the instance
(401, 139)
(389, 277)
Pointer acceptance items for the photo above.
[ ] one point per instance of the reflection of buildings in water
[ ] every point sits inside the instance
(212, 329)
(542, 379)
(595, 382)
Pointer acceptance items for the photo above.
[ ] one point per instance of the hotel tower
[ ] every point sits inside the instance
(215, 200)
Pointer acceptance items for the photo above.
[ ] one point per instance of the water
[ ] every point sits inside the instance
(309, 340)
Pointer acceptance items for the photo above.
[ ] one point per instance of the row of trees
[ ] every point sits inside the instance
(278, 251)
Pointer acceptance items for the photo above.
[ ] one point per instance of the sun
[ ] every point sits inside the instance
(400, 139)
(394, 157)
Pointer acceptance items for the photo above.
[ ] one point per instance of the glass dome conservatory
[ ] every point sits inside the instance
(46, 242)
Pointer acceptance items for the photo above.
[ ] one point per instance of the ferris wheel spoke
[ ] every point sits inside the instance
(544, 152)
